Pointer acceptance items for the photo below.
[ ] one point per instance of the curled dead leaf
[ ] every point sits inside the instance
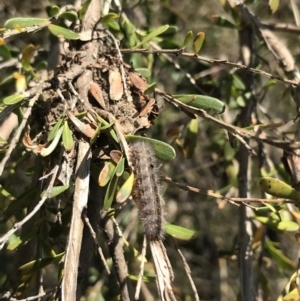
(147, 108)
(27, 142)
(97, 94)
(116, 85)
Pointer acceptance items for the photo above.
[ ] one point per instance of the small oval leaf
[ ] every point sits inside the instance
(13, 99)
(55, 191)
(24, 22)
(163, 151)
(202, 102)
(278, 188)
(67, 137)
(54, 130)
(106, 174)
(179, 232)
(198, 42)
(110, 17)
(154, 33)
(48, 150)
(110, 193)
(63, 32)
(187, 39)
(69, 15)
(54, 11)
(125, 191)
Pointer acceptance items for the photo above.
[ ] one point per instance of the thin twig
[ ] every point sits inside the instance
(139, 283)
(35, 297)
(178, 52)
(87, 222)
(218, 196)
(121, 65)
(188, 273)
(18, 133)
(18, 225)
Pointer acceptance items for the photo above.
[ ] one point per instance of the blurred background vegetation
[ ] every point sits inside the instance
(205, 159)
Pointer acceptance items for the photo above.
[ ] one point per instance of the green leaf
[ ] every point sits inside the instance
(143, 72)
(38, 264)
(110, 193)
(278, 188)
(150, 89)
(222, 22)
(63, 32)
(111, 131)
(55, 191)
(21, 202)
(83, 9)
(5, 51)
(13, 99)
(190, 139)
(283, 261)
(202, 102)
(106, 174)
(54, 130)
(179, 232)
(120, 167)
(54, 11)
(273, 5)
(276, 224)
(110, 17)
(126, 189)
(22, 239)
(187, 39)
(148, 278)
(48, 150)
(67, 137)
(69, 15)
(163, 151)
(154, 33)
(198, 42)
(24, 22)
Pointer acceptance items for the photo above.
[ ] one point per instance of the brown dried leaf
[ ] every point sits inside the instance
(147, 108)
(138, 82)
(85, 129)
(115, 155)
(27, 142)
(116, 85)
(97, 94)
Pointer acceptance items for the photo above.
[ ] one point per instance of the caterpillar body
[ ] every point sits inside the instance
(146, 189)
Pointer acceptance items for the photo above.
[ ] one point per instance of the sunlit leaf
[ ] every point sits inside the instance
(276, 224)
(13, 99)
(198, 42)
(125, 190)
(54, 130)
(48, 150)
(120, 167)
(63, 32)
(83, 9)
(163, 151)
(179, 232)
(67, 137)
(24, 22)
(293, 295)
(55, 191)
(273, 5)
(106, 174)
(110, 17)
(154, 33)
(202, 102)
(278, 188)
(22, 239)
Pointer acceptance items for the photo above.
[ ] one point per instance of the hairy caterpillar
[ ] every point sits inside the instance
(146, 189)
